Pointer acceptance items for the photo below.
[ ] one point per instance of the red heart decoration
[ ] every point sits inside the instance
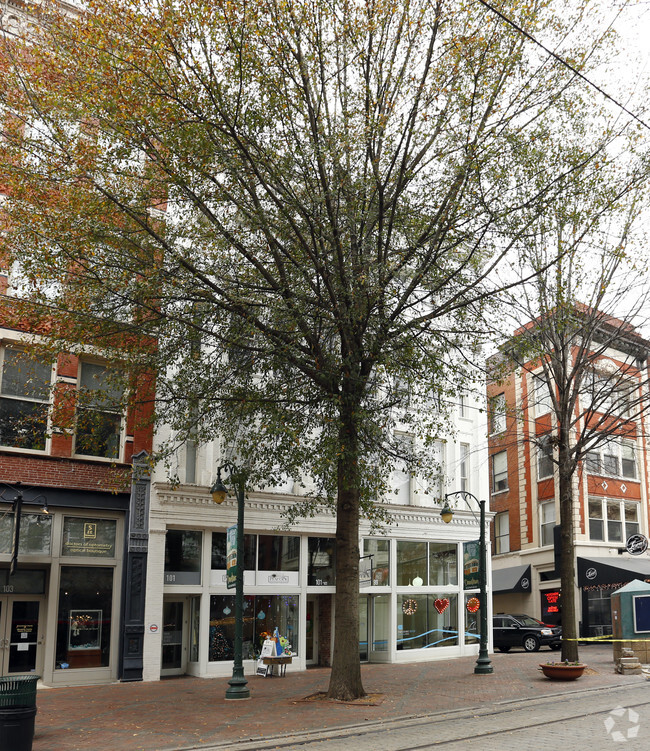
(441, 605)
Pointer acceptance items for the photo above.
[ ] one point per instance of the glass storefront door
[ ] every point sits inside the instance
(364, 626)
(19, 636)
(174, 658)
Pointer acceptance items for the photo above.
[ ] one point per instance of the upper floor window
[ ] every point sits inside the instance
(544, 458)
(546, 522)
(541, 395)
(498, 413)
(462, 405)
(464, 466)
(612, 521)
(614, 459)
(607, 393)
(99, 412)
(24, 399)
(499, 472)
(502, 533)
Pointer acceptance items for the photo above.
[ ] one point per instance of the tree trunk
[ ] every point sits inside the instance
(345, 680)
(567, 553)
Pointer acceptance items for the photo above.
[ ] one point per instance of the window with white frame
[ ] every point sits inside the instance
(502, 532)
(401, 473)
(24, 399)
(99, 412)
(544, 457)
(612, 520)
(613, 459)
(541, 395)
(607, 393)
(499, 472)
(498, 413)
(462, 405)
(464, 466)
(546, 522)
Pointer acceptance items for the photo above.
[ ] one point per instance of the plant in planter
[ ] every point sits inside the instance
(563, 671)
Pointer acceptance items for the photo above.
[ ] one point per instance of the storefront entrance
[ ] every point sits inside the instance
(174, 637)
(19, 634)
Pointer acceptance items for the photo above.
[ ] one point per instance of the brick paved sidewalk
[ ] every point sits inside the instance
(190, 712)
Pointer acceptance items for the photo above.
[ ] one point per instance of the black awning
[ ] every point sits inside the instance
(512, 579)
(593, 571)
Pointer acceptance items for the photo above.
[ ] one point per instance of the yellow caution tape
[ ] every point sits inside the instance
(602, 638)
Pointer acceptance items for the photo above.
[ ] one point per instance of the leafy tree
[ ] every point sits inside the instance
(295, 213)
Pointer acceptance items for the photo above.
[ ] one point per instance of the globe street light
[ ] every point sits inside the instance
(483, 664)
(238, 685)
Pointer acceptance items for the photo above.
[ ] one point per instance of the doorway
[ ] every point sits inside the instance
(19, 634)
(174, 638)
(311, 631)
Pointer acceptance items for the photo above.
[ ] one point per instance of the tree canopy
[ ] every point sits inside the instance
(295, 213)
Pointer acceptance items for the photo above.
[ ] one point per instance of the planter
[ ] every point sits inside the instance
(561, 672)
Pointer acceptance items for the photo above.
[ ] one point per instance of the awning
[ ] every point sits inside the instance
(513, 579)
(594, 571)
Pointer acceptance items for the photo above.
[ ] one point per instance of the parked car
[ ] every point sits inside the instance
(524, 631)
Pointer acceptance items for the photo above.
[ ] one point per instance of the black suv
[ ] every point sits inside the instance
(523, 631)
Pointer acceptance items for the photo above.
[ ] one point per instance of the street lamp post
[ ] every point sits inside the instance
(17, 509)
(238, 685)
(483, 664)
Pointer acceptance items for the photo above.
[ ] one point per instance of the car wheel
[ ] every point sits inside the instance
(555, 647)
(503, 649)
(531, 643)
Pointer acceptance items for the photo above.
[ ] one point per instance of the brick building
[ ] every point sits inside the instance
(610, 492)
(63, 614)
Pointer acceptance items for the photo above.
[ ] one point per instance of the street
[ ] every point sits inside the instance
(599, 719)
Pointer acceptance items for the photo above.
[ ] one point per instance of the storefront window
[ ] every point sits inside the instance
(88, 537)
(84, 621)
(472, 619)
(322, 561)
(380, 622)
(278, 553)
(219, 551)
(380, 552)
(182, 557)
(426, 621)
(411, 563)
(35, 534)
(262, 615)
(443, 565)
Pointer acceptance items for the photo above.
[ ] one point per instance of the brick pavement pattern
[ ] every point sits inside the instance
(186, 712)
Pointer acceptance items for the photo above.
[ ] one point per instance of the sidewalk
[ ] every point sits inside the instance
(185, 712)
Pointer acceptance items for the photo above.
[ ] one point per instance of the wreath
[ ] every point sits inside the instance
(409, 607)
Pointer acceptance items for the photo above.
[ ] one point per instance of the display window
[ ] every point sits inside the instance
(262, 615)
(427, 621)
(84, 617)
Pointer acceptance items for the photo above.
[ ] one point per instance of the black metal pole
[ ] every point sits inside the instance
(238, 685)
(17, 509)
(483, 664)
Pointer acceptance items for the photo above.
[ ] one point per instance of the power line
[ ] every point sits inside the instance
(563, 62)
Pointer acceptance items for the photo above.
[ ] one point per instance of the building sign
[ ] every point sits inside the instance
(636, 544)
(89, 537)
(471, 553)
(231, 556)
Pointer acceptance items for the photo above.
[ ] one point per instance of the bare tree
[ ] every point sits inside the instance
(591, 367)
